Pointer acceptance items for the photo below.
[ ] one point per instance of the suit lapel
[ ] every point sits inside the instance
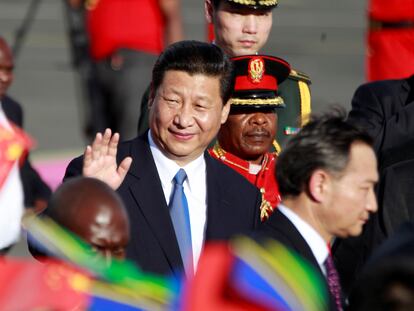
(279, 227)
(278, 221)
(213, 199)
(148, 193)
(219, 211)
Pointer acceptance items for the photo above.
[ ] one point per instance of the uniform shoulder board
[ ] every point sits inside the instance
(298, 75)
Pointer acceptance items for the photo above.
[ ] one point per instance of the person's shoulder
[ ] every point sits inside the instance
(277, 227)
(13, 110)
(74, 168)
(227, 175)
(11, 101)
(133, 146)
(125, 148)
(381, 86)
(215, 166)
(127, 145)
(297, 75)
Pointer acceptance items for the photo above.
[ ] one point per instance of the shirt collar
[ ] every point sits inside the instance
(167, 168)
(316, 243)
(3, 118)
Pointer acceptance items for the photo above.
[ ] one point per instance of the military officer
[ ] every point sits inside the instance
(244, 141)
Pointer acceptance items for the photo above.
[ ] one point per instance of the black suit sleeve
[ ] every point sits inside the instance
(74, 168)
(33, 186)
(386, 114)
(396, 195)
(368, 114)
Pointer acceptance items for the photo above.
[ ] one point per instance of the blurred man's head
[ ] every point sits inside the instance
(251, 126)
(191, 85)
(330, 168)
(6, 67)
(240, 27)
(93, 211)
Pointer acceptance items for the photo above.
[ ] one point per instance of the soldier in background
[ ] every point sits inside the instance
(245, 140)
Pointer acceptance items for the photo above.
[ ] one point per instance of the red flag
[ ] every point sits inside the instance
(28, 285)
(210, 289)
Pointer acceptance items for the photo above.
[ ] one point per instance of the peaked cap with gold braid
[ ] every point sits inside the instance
(257, 78)
(254, 4)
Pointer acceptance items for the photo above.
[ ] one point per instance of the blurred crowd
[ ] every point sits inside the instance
(209, 183)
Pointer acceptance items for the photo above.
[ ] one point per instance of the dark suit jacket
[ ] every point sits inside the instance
(280, 228)
(33, 186)
(385, 109)
(396, 188)
(232, 207)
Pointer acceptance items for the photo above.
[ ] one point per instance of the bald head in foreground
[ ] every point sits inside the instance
(92, 210)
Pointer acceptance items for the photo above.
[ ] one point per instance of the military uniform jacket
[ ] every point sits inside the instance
(295, 92)
(265, 179)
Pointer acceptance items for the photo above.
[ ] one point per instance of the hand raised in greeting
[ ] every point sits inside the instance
(100, 160)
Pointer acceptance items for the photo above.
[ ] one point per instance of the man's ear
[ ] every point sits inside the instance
(208, 11)
(225, 111)
(319, 185)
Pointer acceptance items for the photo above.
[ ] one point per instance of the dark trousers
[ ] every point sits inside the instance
(121, 80)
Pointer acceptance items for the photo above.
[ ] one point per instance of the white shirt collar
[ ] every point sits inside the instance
(316, 243)
(3, 118)
(167, 168)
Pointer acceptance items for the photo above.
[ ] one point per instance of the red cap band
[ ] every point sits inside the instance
(244, 83)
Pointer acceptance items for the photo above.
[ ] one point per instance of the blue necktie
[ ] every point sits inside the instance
(181, 221)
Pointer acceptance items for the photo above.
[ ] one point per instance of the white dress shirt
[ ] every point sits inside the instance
(11, 200)
(316, 243)
(195, 189)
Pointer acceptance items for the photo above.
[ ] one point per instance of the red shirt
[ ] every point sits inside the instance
(391, 10)
(390, 53)
(131, 24)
